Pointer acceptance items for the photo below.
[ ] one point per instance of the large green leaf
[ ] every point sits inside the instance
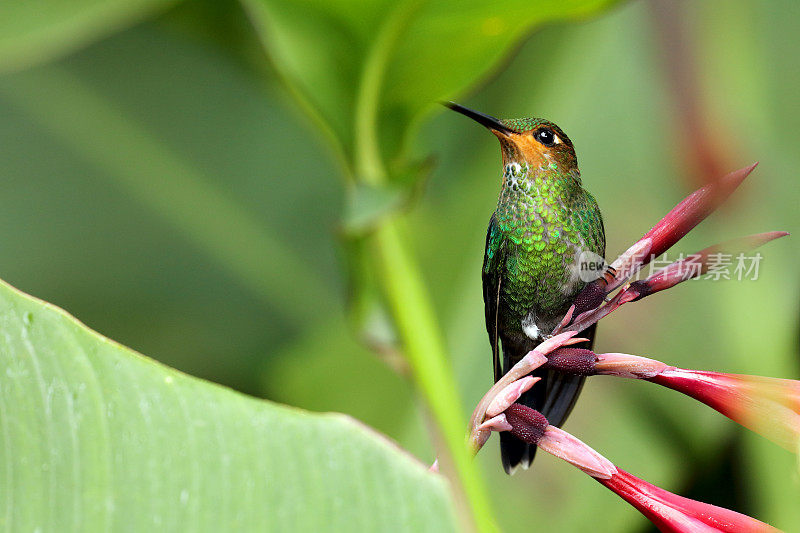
(36, 30)
(355, 61)
(98, 438)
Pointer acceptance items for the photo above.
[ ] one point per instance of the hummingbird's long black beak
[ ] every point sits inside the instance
(486, 120)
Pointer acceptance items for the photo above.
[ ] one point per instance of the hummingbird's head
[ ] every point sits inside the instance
(534, 141)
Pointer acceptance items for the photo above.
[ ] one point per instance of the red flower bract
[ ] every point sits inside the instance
(669, 512)
(675, 514)
(676, 224)
(697, 264)
(769, 406)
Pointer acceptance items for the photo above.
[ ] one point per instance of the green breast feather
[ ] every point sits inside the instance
(542, 222)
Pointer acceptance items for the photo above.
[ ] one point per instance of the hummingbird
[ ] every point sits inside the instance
(545, 241)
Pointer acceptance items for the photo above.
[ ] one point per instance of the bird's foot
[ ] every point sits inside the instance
(609, 275)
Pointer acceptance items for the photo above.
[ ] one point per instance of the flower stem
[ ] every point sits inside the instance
(417, 326)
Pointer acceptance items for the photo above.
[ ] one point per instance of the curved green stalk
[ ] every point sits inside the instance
(421, 336)
(369, 164)
(408, 298)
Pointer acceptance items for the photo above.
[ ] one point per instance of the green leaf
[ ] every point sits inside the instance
(38, 30)
(86, 121)
(353, 63)
(98, 438)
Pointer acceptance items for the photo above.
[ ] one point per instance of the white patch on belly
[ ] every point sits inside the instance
(529, 327)
(531, 331)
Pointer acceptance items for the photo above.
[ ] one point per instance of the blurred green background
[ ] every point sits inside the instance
(163, 186)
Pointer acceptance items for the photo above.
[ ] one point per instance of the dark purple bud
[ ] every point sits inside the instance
(526, 424)
(590, 297)
(578, 361)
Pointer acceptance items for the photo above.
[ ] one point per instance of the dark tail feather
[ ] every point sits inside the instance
(554, 397)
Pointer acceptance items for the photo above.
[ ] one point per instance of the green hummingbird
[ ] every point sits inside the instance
(545, 241)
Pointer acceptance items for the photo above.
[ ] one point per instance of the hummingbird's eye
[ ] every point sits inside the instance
(546, 136)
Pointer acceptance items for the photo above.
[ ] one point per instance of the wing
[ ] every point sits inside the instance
(493, 260)
(597, 237)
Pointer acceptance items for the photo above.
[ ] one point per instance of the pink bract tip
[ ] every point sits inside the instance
(575, 340)
(628, 366)
(629, 263)
(510, 394)
(561, 444)
(496, 423)
(556, 341)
